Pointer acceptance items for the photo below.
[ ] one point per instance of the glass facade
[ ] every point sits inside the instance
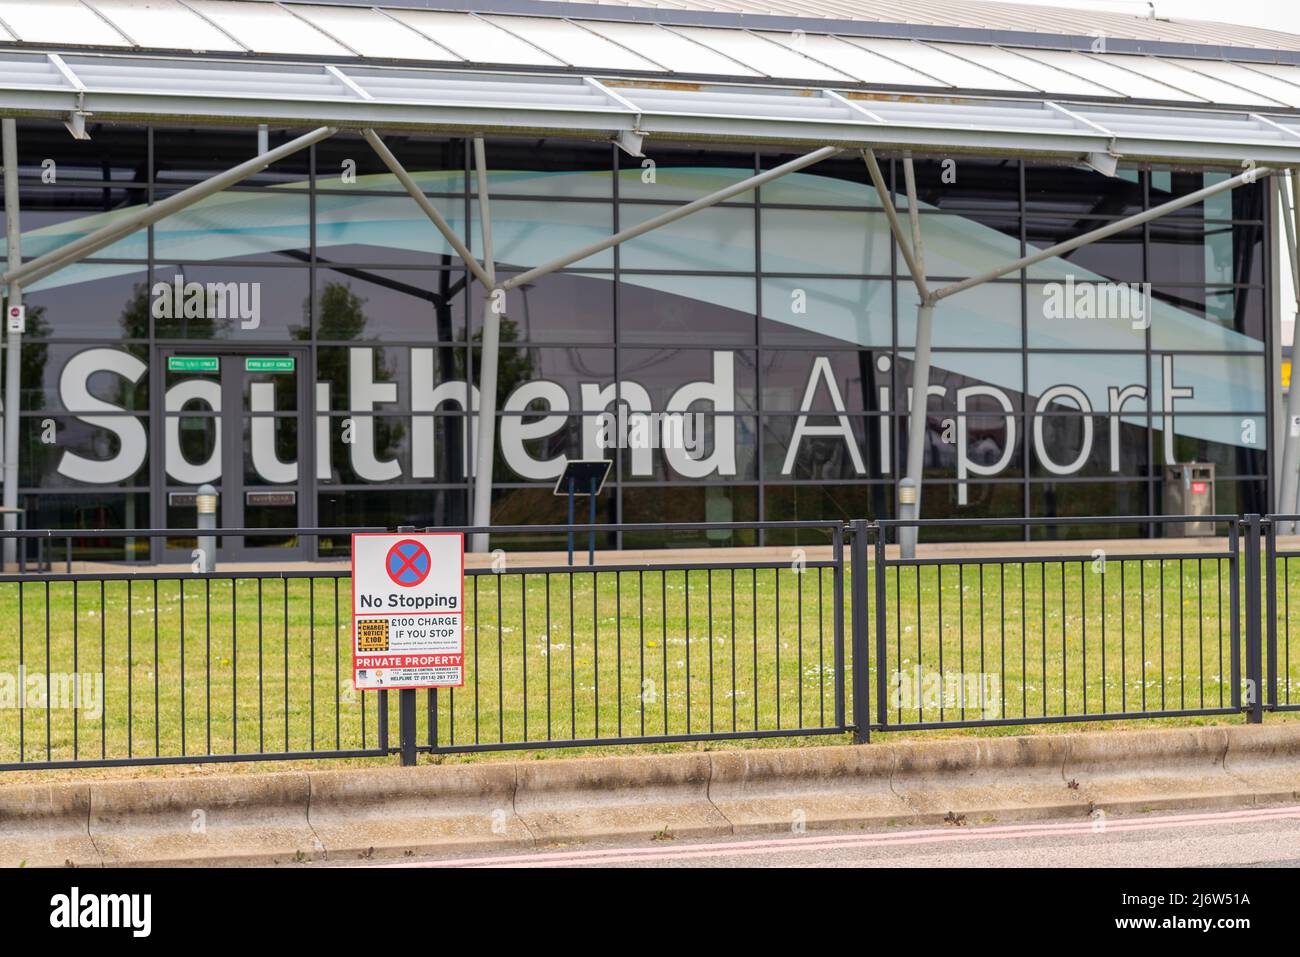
(313, 315)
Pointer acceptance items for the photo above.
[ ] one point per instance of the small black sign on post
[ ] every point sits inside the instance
(583, 477)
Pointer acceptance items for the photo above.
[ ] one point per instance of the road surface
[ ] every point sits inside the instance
(1267, 836)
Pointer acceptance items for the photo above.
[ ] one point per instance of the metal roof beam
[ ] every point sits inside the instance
(88, 245)
(1110, 229)
(671, 216)
(417, 194)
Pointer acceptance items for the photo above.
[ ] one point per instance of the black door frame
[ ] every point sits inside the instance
(233, 548)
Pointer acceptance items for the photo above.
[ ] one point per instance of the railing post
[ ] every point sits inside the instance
(837, 536)
(1254, 615)
(406, 708)
(1270, 582)
(882, 701)
(861, 637)
(406, 726)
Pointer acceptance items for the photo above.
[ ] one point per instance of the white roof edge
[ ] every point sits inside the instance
(135, 88)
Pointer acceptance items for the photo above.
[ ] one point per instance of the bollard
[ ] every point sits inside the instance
(907, 512)
(205, 503)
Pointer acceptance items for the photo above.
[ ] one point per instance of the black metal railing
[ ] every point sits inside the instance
(1042, 632)
(158, 665)
(104, 664)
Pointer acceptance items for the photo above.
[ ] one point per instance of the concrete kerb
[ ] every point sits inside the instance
(642, 796)
(1266, 760)
(46, 826)
(388, 812)
(236, 819)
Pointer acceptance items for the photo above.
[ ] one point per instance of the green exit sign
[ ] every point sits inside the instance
(268, 364)
(193, 364)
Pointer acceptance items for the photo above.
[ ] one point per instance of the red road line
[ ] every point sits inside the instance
(840, 841)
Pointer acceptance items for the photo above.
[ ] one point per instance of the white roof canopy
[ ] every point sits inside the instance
(106, 87)
(542, 70)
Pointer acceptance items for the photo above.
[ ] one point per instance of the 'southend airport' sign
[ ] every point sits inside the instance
(408, 616)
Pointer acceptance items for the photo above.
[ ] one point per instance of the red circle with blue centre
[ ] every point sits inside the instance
(408, 563)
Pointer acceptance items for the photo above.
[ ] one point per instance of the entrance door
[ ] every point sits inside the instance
(237, 420)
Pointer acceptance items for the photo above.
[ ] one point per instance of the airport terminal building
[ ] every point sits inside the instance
(305, 340)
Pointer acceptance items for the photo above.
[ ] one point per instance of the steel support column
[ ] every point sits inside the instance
(489, 356)
(13, 355)
(1286, 499)
(910, 492)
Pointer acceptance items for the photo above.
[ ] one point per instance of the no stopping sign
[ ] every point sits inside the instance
(407, 610)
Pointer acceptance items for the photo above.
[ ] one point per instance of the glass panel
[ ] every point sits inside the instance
(820, 454)
(835, 182)
(933, 61)
(395, 304)
(89, 301)
(474, 38)
(717, 239)
(837, 379)
(114, 153)
(672, 309)
(573, 45)
(852, 59)
(1069, 499)
(526, 233)
(815, 311)
(1217, 383)
(670, 174)
(231, 225)
(270, 446)
(548, 169)
(271, 29)
(62, 22)
(668, 49)
(184, 156)
(961, 246)
(826, 241)
(67, 452)
(82, 378)
(539, 368)
(727, 374)
(682, 504)
(345, 161)
(757, 53)
(987, 315)
(965, 184)
(91, 510)
(1069, 191)
(372, 34)
(158, 25)
(1117, 258)
(560, 307)
(388, 229)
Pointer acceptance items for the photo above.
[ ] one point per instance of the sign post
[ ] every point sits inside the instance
(583, 477)
(408, 600)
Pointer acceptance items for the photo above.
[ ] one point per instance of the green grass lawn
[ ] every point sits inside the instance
(219, 667)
